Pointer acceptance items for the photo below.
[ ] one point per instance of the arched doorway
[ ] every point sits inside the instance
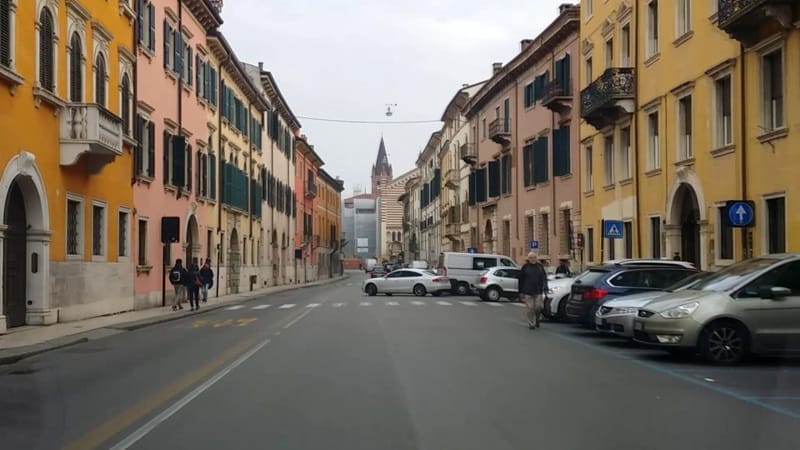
(192, 240)
(15, 264)
(234, 262)
(686, 215)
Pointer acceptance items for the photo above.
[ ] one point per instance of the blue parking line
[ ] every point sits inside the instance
(757, 401)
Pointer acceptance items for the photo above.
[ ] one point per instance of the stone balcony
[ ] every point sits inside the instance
(500, 130)
(610, 97)
(749, 21)
(452, 179)
(89, 131)
(468, 153)
(558, 96)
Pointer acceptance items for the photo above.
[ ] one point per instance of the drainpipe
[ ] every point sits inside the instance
(517, 150)
(180, 100)
(135, 100)
(555, 209)
(221, 165)
(637, 220)
(250, 176)
(743, 159)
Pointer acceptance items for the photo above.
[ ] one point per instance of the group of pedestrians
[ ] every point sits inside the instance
(190, 282)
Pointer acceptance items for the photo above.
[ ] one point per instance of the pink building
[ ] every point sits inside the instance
(525, 120)
(174, 176)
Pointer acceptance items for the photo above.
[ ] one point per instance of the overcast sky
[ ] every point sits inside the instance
(346, 59)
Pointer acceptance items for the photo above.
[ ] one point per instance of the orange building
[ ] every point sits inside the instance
(329, 224)
(307, 237)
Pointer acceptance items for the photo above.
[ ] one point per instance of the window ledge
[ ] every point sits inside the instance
(722, 151)
(75, 257)
(171, 74)
(685, 162)
(588, 193)
(530, 188)
(41, 95)
(142, 178)
(724, 262)
(714, 18)
(626, 181)
(11, 77)
(773, 135)
(683, 38)
(652, 172)
(129, 140)
(171, 188)
(126, 9)
(146, 51)
(99, 258)
(564, 177)
(609, 187)
(652, 59)
(144, 269)
(543, 184)
(188, 88)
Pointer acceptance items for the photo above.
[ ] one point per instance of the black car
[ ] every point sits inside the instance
(600, 284)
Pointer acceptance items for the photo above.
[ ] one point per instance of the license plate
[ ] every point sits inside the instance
(638, 326)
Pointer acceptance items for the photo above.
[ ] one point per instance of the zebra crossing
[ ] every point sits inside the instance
(362, 304)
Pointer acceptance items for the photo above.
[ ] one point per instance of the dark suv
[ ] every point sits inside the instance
(600, 284)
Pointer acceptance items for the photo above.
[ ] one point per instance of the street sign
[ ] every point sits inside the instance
(740, 213)
(534, 245)
(472, 250)
(612, 229)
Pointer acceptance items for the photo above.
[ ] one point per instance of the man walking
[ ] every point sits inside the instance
(193, 283)
(178, 277)
(207, 277)
(532, 287)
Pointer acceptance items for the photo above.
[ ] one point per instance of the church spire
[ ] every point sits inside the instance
(381, 170)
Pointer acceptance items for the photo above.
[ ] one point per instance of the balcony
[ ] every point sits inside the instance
(311, 190)
(743, 19)
(500, 130)
(609, 98)
(452, 179)
(558, 96)
(91, 132)
(452, 231)
(468, 153)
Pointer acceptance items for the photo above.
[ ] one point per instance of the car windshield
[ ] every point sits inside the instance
(730, 276)
(429, 272)
(688, 282)
(590, 276)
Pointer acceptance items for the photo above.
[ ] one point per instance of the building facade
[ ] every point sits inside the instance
(360, 225)
(328, 219)
(391, 218)
(430, 200)
(411, 218)
(307, 233)
(65, 195)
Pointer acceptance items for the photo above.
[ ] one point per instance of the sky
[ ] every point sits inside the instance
(348, 59)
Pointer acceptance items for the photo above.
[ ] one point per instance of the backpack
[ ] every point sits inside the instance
(175, 276)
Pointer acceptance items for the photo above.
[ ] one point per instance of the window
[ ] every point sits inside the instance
(565, 232)
(625, 153)
(561, 151)
(100, 75)
(608, 159)
(47, 39)
(98, 229)
(587, 5)
(609, 53)
(122, 232)
(772, 90)
(528, 95)
(483, 263)
(483, 127)
(74, 226)
(683, 17)
(6, 39)
(543, 236)
(723, 116)
(506, 237)
(506, 174)
(627, 235)
(75, 68)
(144, 154)
(776, 225)
(186, 59)
(724, 236)
(653, 154)
(612, 250)
(655, 237)
(529, 227)
(588, 71)
(588, 174)
(540, 165)
(652, 28)
(590, 244)
(142, 243)
(685, 128)
(125, 104)
(146, 25)
(625, 46)
(209, 243)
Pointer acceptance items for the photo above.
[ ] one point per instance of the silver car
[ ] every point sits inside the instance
(616, 316)
(498, 282)
(407, 281)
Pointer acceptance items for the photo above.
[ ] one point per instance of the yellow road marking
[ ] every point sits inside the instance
(107, 430)
(246, 322)
(223, 323)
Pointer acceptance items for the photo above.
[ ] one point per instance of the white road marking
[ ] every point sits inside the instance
(469, 303)
(287, 306)
(521, 305)
(365, 303)
(494, 304)
(234, 307)
(145, 429)
(312, 305)
(289, 325)
(443, 303)
(338, 305)
(418, 303)
(261, 306)
(392, 304)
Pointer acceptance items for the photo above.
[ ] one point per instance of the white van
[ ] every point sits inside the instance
(464, 269)
(419, 265)
(370, 264)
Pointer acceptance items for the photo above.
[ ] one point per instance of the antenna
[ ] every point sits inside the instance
(389, 107)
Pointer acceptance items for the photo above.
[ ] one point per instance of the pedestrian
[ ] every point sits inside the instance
(532, 287)
(178, 277)
(207, 277)
(563, 268)
(193, 283)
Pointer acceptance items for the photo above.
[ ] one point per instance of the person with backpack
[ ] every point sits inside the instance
(193, 284)
(178, 277)
(207, 277)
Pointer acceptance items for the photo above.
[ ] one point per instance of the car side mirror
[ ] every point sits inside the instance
(774, 292)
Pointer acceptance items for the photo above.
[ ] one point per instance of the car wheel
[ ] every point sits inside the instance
(493, 294)
(420, 291)
(724, 342)
(462, 289)
(546, 311)
(562, 310)
(371, 290)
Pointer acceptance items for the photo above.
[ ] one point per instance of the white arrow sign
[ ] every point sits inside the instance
(741, 212)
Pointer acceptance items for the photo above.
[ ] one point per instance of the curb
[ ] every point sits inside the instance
(16, 354)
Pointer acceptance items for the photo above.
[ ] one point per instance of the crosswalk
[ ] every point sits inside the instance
(361, 304)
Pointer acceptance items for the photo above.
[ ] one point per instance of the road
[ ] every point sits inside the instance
(328, 368)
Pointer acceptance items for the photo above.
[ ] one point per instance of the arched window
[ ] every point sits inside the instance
(125, 104)
(75, 69)
(100, 80)
(46, 50)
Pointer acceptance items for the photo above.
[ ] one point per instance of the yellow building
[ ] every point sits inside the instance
(66, 86)
(329, 224)
(608, 101)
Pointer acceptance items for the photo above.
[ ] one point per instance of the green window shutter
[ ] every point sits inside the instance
(561, 152)
(212, 175)
(526, 165)
(178, 161)
(565, 73)
(540, 167)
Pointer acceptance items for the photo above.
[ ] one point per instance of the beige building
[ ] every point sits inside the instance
(430, 200)
(391, 217)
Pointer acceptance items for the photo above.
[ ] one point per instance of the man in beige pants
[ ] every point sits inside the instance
(532, 287)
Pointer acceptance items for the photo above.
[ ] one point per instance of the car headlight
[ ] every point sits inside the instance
(624, 311)
(680, 312)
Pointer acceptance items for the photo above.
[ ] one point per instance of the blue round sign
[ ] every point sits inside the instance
(740, 214)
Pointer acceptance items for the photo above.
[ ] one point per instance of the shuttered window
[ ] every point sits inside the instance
(46, 49)
(75, 72)
(5, 33)
(561, 152)
(540, 167)
(494, 179)
(100, 80)
(527, 165)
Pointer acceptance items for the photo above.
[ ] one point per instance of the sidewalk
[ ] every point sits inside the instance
(26, 341)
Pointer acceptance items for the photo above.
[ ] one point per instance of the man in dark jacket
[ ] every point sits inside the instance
(207, 277)
(532, 287)
(193, 283)
(178, 277)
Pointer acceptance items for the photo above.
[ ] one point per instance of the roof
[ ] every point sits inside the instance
(567, 23)
(220, 47)
(277, 99)
(460, 100)
(308, 151)
(329, 180)
(382, 166)
(433, 142)
(205, 13)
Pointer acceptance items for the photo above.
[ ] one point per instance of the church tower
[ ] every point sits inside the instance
(381, 170)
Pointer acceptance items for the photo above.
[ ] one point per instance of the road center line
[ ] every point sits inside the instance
(297, 319)
(177, 406)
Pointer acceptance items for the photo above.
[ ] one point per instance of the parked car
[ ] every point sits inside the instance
(465, 269)
(749, 307)
(378, 271)
(407, 281)
(602, 283)
(370, 264)
(498, 282)
(555, 304)
(616, 316)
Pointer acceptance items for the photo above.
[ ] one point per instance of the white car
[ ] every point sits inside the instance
(407, 281)
(556, 302)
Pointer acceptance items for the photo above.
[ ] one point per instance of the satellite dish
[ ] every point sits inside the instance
(389, 111)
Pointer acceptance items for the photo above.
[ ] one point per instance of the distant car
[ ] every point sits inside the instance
(407, 281)
(465, 269)
(378, 271)
(499, 282)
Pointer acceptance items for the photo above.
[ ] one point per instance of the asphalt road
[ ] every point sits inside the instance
(328, 368)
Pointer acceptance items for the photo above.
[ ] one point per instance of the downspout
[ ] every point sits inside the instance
(517, 151)
(555, 209)
(250, 175)
(743, 160)
(135, 100)
(221, 166)
(636, 181)
(180, 100)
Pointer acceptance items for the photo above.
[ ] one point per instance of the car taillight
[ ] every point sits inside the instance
(437, 280)
(484, 280)
(594, 294)
(444, 271)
